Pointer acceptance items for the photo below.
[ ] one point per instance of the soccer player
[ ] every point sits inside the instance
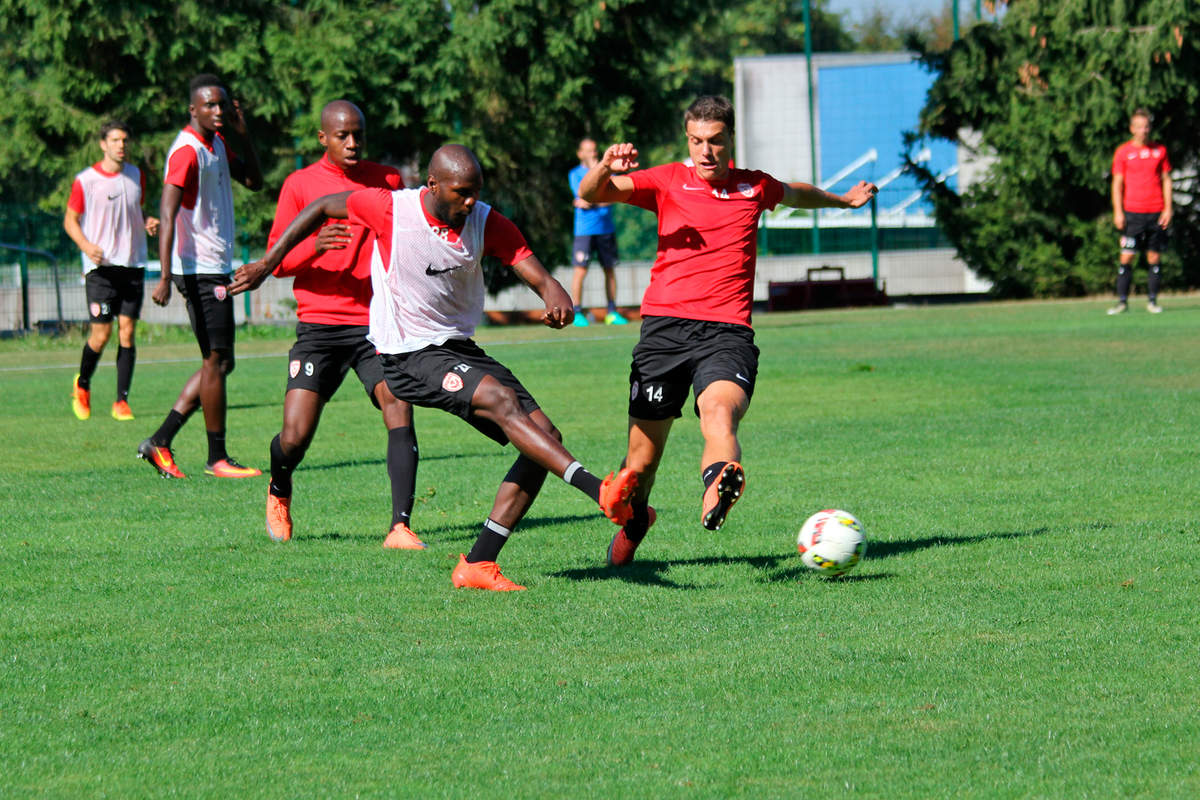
(594, 234)
(696, 311)
(1141, 200)
(428, 298)
(104, 219)
(333, 293)
(195, 248)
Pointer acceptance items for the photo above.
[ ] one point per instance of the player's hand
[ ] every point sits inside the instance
(559, 308)
(162, 292)
(1164, 219)
(239, 119)
(249, 276)
(335, 236)
(94, 252)
(152, 226)
(620, 158)
(1119, 220)
(861, 194)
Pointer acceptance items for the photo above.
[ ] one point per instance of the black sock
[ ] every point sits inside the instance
(712, 472)
(216, 446)
(1124, 279)
(281, 469)
(487, 546)
(171, 425)
(87, 366)
(583, 480)
(1152, 282)
(126, 356)
(635, 529)
(402, 457)
(612, 306)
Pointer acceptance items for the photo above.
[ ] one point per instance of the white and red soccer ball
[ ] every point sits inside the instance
(831, 542)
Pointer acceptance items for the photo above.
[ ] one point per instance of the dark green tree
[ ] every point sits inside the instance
(1049, 89)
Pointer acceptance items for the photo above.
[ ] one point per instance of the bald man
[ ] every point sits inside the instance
(332, 271)
(428, 298)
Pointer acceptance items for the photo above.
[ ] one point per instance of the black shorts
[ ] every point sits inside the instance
(674, 354)
(603, 245)
(323, 354)
(446, 376)
(114, 291)
(210, 309)
(1142, 232)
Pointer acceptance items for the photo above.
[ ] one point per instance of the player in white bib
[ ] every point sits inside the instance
(428, 298)
(104, 219)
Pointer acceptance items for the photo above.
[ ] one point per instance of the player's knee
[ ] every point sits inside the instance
(498, 401)
(226, 363)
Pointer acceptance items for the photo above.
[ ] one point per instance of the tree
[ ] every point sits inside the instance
(1049, 89)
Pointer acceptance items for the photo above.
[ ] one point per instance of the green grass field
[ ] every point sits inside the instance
(1025, 623)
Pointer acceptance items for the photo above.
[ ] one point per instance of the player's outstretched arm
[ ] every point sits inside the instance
(306, 223)
(606, 182)
(559, 309)
(804, 195)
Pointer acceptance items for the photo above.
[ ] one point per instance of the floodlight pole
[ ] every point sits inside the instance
(812, 123)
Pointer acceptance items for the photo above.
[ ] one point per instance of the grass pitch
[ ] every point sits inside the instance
(1025, 622)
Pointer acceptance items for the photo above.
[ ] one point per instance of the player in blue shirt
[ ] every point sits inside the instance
(594, 233)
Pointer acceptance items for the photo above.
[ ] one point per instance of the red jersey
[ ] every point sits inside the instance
(501, 238)
(1142, 168)
(333, 288)
(707, 240)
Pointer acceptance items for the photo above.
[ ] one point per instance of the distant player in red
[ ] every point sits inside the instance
(696, 330)
(104, 219)
(332, 271)
(1141, 199)
(427, 300)
(195, 248)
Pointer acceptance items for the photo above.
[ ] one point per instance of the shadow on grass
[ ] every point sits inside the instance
(465, 532)
(777, 568)
(373, 462)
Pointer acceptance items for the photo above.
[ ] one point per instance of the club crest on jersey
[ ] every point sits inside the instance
(95, 309)
(746, 189)
(452, 382)
(294, 368)
(220, 292)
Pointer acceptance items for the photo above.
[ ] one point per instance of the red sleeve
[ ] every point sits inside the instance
(1118, 165)
(75, 201)
(1166, 164)
(502, 239)
(183, 170)
(286, 209)
(645, 188)
(772, 191)
(372, 208)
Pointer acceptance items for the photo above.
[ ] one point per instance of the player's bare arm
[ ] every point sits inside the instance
(804, 195)
(251, 173)
(306, 223)
(168, 209)
(75, 230)
(1164, 219)
(1118, 201)
(559, 309)
(606, 182)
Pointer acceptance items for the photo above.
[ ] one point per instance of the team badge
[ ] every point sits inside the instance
(95, 309)
(452, 382)
(294, 368)
(220, 292)
(746, 189)
(633, 390)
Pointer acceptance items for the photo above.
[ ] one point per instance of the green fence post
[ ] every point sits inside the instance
(874, 244)
(24, 261)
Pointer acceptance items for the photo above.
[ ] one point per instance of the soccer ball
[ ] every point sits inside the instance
(831, 542)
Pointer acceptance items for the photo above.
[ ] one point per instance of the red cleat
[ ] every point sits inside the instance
(228, 468)
(621, 549)
(401, 538)
(721, 494)
(161, 458)
(481, 575)
(615, 492)
(279, 518)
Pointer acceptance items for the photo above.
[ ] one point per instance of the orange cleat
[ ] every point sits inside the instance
(228, 468)
(615, 492)
(279, 518)
(721, 494)
(401, 538)
(161, 458)
(81, 400)
(121, 411)
(621, 549)
(481, 575)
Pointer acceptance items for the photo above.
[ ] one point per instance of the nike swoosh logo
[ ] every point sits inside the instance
(741, 377)
(429, 270)
(113, 196)
(687, 188)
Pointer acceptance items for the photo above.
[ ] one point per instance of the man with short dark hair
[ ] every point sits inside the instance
(696, 330)
(428, 298)
(1141, 200)
(196, 252)
(104, 219)
(332, 272)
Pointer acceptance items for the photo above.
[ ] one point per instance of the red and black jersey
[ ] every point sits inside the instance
(1143, 167)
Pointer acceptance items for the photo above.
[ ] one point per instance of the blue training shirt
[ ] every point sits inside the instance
(589, 221)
